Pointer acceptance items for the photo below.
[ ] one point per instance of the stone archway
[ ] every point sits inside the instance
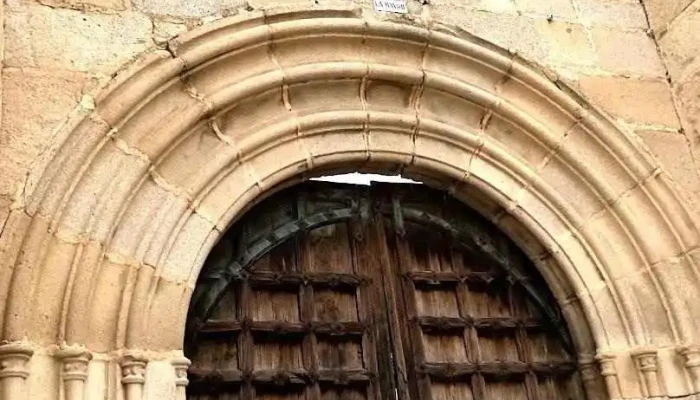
(101, 260)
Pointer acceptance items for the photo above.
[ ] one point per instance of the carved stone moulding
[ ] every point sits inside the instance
(133, 366)
(609, 372)
(691, 354)
(14, 369)
(14, 360)
(646, 359)
(74, 371)
(75, 362)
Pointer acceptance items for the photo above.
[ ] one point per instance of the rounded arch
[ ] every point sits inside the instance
(135, 195)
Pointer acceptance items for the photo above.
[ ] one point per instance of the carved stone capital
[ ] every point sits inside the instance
(588, 368)
(691, 353)
(647, 363)
(181, 365)
(646, 359)
(14, 360)
(134, 369)
(74, 362)
(607, 364)
(609, 373)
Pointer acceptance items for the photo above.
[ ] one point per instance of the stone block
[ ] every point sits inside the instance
(494, 6)
(203, 152)
(662, 12)
(562, 179)
(448, 108)
(620, 14)
(627, 52)
(43, 37)
(225, 199)
(185, 8)
(165, 30)
(688, 92)
(140, 221)
(582, 144)
(160, 122)
(102, 192)
(35, 102)
(513, 32)
(186, 247)
(680, 45)
(48, 292)
(86, 5)
(549, 8)
(110, 283)
(644, 102)
(253, 114)
(673, 152)
(567, 43)
(518, 141)
(548, 216)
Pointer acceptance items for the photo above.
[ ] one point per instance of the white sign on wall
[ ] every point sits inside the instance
(395, 6)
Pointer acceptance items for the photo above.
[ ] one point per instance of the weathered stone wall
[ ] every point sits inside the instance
(604, 214)
(58, 53)
(676, 26)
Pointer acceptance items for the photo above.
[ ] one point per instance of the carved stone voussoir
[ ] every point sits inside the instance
(14, 358)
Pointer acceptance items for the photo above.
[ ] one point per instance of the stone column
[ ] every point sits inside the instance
(591, 377)
(646, 361)
(691, 354)
(74, 368)
(133, 375)
(609, 373)
(181, 365)
(14, 370)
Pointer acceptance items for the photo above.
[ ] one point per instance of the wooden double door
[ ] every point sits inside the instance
(392, 292)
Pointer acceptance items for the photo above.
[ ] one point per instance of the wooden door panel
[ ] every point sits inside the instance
(436, 302)
(329, 249)
(278, 353)
(377, 306)
(300, 319)
(269, 304)
(482, 301)
(335, 305)
(445, 348)
(452, 391)
(220, 395)
(471, 325)
(498, 346)
(506, 390)
(340, 353)
(331, 393)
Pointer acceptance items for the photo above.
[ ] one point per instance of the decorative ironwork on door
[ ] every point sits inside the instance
(328, 291)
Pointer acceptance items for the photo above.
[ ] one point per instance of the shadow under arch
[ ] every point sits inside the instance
(134, 196)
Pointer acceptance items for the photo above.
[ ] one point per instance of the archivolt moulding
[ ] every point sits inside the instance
(131, 200)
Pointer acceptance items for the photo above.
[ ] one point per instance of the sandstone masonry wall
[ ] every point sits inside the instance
(676, 27)
(59, 53)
